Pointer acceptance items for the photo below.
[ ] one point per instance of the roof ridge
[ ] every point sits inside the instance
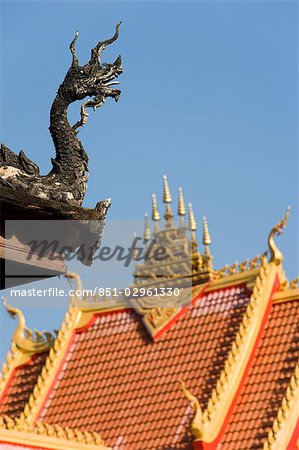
(223, 395)
(285, 422)
(52, 364)
(25, 339)
(50, 434)
(25, 344)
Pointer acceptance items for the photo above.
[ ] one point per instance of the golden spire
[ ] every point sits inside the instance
(181, 207)
(147, 230)
(166, 196)
(206, 239)
(192, 222)
(167, 200)
(155, 213)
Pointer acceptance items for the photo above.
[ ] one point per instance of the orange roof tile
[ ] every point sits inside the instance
(20, 385)
(269, 375)
(115, 380)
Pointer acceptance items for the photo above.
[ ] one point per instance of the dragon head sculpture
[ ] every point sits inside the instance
(93, 80)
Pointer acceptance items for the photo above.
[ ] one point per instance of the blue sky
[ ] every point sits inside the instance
(209, 96)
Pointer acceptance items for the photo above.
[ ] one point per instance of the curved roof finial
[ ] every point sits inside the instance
(197, 422)
(275, 254)
(25, 339)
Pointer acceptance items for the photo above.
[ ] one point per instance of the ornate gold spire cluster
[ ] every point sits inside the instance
(183, 228)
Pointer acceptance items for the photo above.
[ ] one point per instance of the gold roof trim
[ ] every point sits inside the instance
(197, 422)
(239, 355)
(51, 366)
(79, 313)
(237, 273)
(275, 254)
(44, 435)
(25, 344)
(285, 422)
(91, 305)
(25, 339)
(14, 359)
(287, 295)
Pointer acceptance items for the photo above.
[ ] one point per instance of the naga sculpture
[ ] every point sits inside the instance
(67, 181)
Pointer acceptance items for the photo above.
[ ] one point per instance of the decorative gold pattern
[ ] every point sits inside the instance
(158, 317)
(166, 195)
(294, 283)
(167, 200)
(181, 205)
(206, 240)
(49, 436)
(192, 222)
(285, 422)
(275, 254)
(56, 354)
(155, 212)
(197, 422)
(242, 267)
(25, 343)
(235, 365)
(25, 339)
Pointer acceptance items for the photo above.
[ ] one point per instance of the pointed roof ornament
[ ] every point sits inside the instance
(166, 195)
(275, 254)
(167, 200)
(147, 230)
(206, 239)
(26, 340)
(192, 222)
(155, 211)
(181, 206)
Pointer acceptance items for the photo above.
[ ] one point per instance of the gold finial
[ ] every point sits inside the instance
(24, 338)
(275, 254)
(192, 222)
(166, 196)
(181, 207)
(155, 213)
(206, 239)
(197, 422)
(147, 230)
(167, 200)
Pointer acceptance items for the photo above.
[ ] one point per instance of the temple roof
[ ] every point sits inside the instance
(272, 367)
(126, 387)
(217, 371)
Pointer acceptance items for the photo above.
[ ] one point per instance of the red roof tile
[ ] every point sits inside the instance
(21, 385)
(267, 380)
(117, 381)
